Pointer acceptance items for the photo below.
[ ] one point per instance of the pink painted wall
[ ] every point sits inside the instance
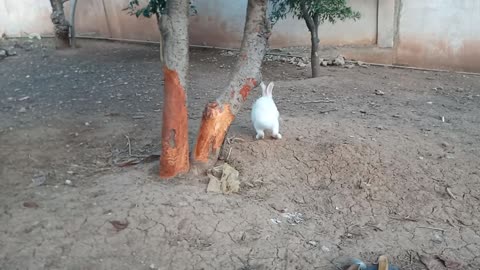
(440, 34)
(435, 34)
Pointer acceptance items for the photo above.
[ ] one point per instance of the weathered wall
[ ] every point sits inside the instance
(19, 16)
(218, 23)
(440, 34)
(435, 34)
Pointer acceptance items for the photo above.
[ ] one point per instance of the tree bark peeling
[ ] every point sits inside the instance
(173, 27)
(174, 159)
(216, 120)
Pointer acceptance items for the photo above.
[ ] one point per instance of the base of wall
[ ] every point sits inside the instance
(370, 55)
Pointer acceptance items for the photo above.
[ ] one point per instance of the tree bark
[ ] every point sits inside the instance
(312, 23)
(62, 27)
(174, 159)
(219, 114)
(315, 57)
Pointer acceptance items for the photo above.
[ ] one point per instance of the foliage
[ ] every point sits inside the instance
(153, 7)
(318, 10)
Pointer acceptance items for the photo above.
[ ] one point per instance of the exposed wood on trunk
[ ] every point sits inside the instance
(174, 30)
(62, 27)
(246, 75)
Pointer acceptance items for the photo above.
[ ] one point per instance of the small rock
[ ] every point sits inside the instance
(3, 53)
(339, 61)
(68, 182)
(293, 218)
(87, 124)
(324, 63)
(35, 36)
(30, 205)
(325, 249)
(437, 238)
(11, 53)
(152, 266)
(275, 221)
(312, 243)
(22, 110)
(429, 103)
(39, 180)
(301, 64)
(444, 144)
(349, 66)
(379, 92)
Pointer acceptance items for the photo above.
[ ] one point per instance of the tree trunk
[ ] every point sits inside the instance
(174, 159)
(315, 58)
(312, 21)
(61, 25)
(219, 114)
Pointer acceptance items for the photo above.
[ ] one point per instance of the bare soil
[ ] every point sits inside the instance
(357, 174)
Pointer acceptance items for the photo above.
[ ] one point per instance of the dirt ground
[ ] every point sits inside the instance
(357, 174)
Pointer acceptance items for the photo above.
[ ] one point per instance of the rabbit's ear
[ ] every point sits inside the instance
(264, 89)
(270, 89)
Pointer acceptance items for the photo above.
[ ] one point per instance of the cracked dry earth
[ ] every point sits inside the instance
(356, 175)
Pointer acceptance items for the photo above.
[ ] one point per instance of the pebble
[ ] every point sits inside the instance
(325, 249)
(339, 61)
(312, 243)
(379, 92)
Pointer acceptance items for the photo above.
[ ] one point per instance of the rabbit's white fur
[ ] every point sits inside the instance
(265, 115)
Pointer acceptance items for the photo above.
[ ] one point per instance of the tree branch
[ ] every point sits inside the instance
(159, 23)
(308, 20)
(316, 19)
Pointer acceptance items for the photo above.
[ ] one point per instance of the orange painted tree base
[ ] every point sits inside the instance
(216, 120)
(174, 159)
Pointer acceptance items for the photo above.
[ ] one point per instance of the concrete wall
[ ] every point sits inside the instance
(440, 34)
(435, 34)
(19, 16)
(218, 23)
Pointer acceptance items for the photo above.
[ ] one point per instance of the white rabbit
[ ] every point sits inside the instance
(265, 115)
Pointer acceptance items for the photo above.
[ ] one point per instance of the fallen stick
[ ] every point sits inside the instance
(449, 192)
(432, 228)
(129, 146)
(327, 111)
(318, 101)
